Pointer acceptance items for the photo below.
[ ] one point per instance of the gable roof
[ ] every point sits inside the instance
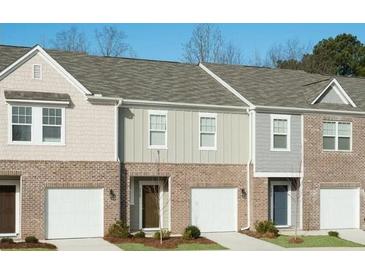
(334, 90)
(288, 88)
(136, 79)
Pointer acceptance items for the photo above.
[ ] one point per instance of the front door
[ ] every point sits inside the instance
(280, 205)
(7, 209)
(150, 206)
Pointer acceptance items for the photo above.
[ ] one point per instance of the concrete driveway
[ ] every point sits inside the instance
(89, 244)
(240, 242)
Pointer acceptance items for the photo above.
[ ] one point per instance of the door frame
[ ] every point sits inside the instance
(15, 183)
(280, 183)
(160, 190)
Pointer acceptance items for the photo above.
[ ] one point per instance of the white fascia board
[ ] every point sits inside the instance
(302, 110)
(52, 62)
(226, 85)
(278, 174)
(342, 93)
(37, 101)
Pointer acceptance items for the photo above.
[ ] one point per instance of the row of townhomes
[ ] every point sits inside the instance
(87, 140)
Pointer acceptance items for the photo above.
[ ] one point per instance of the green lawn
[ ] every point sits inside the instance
(181, 247)
(313, 241)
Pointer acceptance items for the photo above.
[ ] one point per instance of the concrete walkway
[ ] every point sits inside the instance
(89, 244)
(240, 242)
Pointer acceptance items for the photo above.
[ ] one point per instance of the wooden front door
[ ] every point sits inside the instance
(150, 206)
(7, 209)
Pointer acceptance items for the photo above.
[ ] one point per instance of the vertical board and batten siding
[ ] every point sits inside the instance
(277, 161)
(183, 138)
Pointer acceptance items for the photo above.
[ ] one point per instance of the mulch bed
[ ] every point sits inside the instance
(172, 242)
(24, 245)
(295, 240)
(257, 235)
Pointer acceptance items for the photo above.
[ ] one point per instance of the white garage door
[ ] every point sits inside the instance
(340, 208)
(214, 209)
(75, 213)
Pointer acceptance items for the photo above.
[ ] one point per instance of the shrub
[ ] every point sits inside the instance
(263, 227)
(191, 232)
(31, 240)
(7, 241)
(165, 234)
(333, 234)
(140, 234)
(119, 230)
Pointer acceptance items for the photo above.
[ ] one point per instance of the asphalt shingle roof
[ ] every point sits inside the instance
(287, 88)
(137, 79)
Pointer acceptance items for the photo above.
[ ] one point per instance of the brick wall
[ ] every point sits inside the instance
(335, 169)
(37, 176)
(183, 177)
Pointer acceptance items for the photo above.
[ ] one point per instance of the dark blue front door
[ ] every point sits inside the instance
(280, 204)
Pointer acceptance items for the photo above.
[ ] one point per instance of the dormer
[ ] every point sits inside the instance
(333, 93)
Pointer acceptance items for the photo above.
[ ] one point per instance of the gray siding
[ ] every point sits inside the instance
(331, 97)
(277, 161)
(183, 138)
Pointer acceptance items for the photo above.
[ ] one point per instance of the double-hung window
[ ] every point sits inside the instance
(158, 129)
(280, 132)
(337, 136)
(52, 124)
(36, 125)
(207, 131)
(21, 124)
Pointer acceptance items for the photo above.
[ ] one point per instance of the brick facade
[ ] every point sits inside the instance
(183, 177)
(330, 169)
(38, 176)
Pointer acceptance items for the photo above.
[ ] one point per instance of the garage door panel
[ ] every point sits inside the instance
(214, 209)
(339, 208)
(74, 213)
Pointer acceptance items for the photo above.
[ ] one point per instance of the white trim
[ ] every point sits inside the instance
(37, 101)
(116, 130)
(279, 174)
(161, 103)
(288, 135)
(36, 126)
(160, 190)
(169, 201)
(345, 98)
(52, 62)
(301, 187)
(131, 187)
(336, 136)
(17, 207)
(40, 72)
(272, 184)
(157, 112)
(208, 115)
(300, 110)
(226, 85)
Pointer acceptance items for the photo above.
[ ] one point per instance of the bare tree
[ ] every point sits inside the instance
(155, 190)
(111, 42)
(291, 52)
(207, 45)
(70, 40)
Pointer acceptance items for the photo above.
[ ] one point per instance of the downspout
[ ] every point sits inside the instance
(116, 129)
(248, 175)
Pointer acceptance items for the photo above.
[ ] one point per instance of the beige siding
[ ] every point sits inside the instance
(89, 127)
(183, 138)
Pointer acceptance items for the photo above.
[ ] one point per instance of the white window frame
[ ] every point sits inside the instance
(40, 72)
(208, 115)
(337, 136)
(288, 135)
(157, 112)
(36, 126)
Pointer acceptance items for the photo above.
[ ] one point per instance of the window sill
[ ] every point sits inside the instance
(157, 147)
(33, 144)
(280, 150)
(207, 148)
(341, 151)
